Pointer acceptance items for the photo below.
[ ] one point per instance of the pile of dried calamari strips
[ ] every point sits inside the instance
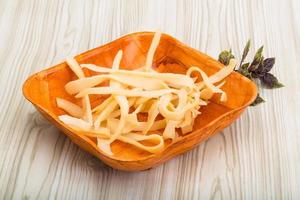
(171, 102)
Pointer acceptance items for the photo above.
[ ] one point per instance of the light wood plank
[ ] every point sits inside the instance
(257, 157)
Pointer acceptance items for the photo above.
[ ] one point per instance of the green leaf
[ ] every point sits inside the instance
(243, 69)
(246, 50)
(245, 53)
(258, 53)
(246, 73)
(245, 66)
(225, 56)
(257, 101)
(253, 68)
(258, 57)
(278, 85)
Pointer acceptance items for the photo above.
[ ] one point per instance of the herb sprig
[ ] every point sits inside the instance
(258, 70)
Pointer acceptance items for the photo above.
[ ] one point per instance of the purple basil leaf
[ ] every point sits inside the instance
(260, 69)
(255, 75)
(268, 64)
(269, 80)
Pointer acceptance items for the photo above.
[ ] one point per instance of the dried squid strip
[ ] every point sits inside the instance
(69, 107)
(125, 92)
(176, 80)
(87, 111)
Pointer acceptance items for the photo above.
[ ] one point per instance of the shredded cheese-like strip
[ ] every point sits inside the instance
(135, 139)
(124, 107)
(125, 92)
(208, 82)
(153, 46)
(170, 102)
(79, 85)
(86, 101)
(69, 107)
(175, 80)
(75, 67)
(224, 72)
(75, 122)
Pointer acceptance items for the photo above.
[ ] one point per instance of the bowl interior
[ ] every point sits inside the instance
(171, 56)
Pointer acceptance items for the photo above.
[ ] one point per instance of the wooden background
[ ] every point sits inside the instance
(257, 157)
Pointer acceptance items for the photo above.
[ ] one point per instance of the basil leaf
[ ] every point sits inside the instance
(258, 100)
(225, 56)
(258, 69)
(270, 81)
(258, 58)
(253, 68)
(278, 85)
(268, 64)
(245, 53)
(245, 66)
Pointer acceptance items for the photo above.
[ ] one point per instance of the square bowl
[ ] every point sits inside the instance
(42, 88)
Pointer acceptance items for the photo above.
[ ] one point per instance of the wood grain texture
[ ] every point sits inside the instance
(258, 157)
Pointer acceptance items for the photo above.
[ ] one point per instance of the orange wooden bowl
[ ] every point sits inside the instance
(42, 88)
